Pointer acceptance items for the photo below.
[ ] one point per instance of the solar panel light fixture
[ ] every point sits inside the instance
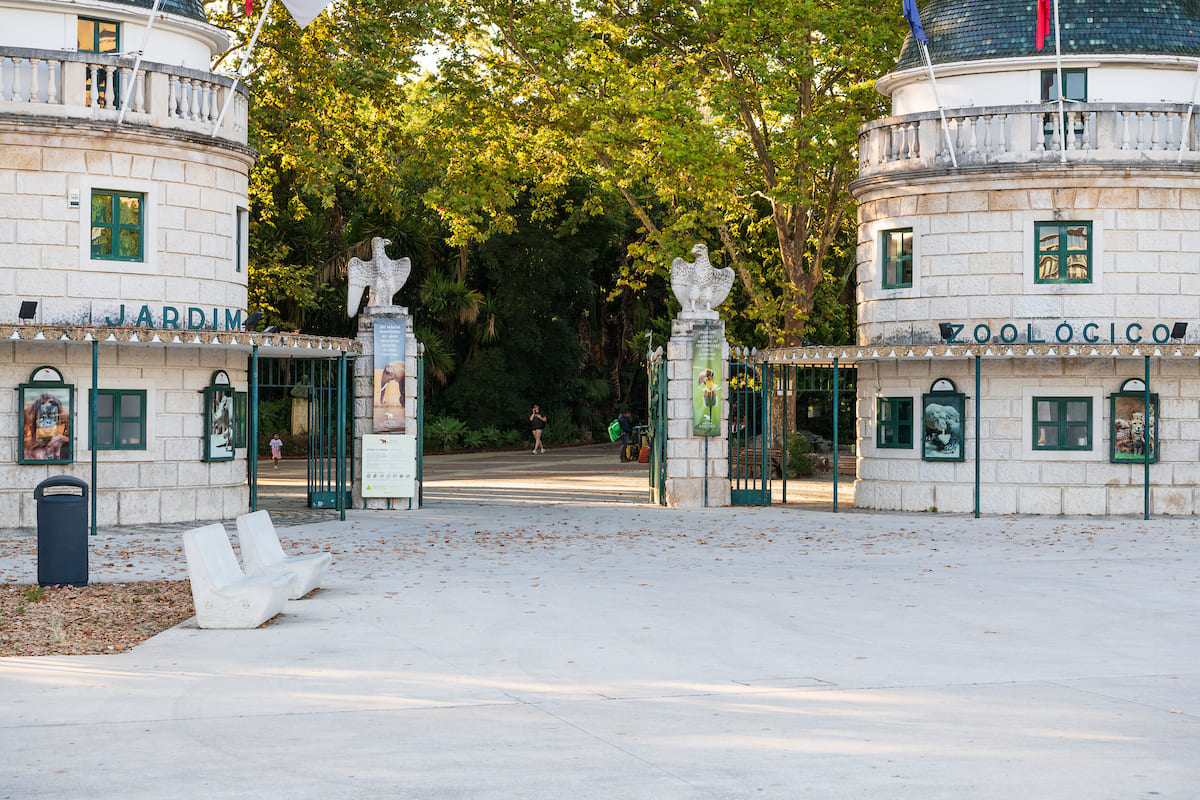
(1179, 330)
(28, 310)
(253, 320)
(946, 330)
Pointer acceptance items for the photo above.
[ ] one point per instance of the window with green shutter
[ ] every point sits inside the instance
(117, 220)
(898, 258)
(894, 422)
(120, 419)
(1064, 252)
(1062, 423)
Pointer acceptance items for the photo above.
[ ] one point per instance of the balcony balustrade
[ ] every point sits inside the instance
(1107, 133)
(95, 87)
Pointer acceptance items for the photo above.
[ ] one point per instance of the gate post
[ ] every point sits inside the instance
(697, 469)
(364, 398)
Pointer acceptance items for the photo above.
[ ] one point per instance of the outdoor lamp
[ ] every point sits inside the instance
(28, 310)
(253, 320)
(946, 330)
(1179, 330)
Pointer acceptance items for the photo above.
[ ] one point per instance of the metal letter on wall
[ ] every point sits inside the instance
(389, 375)
(707, 368)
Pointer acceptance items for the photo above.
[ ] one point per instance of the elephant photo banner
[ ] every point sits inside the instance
(389, 375)
(708, 345)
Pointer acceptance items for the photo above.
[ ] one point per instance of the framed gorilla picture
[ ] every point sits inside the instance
(47, 418)
(943, 414)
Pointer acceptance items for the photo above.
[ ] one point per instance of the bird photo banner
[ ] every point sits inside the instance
(390, 334)
(708, 345)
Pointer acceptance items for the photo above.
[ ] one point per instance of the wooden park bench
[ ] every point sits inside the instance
(749, 458)
(224, 597)
(263, 555)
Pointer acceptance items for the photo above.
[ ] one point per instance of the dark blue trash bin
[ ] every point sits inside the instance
(62, 528)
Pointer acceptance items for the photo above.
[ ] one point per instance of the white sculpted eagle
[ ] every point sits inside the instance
(382, 275)
(697, 286)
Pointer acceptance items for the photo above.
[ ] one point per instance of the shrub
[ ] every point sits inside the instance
(801, 464)
(446, 432)
(561, 430)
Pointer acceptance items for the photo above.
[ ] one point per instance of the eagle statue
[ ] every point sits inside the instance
(382, 275)
(697, 286)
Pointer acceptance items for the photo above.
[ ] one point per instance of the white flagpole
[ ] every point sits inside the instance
(1188, 118)
(1062, 90)
(938, 100)
(245, 59)
(137, 64)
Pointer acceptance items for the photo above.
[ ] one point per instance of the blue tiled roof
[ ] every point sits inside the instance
(193, 9)
(968, 30)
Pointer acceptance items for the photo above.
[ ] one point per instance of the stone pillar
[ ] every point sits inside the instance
(364, 396)
(687, 467)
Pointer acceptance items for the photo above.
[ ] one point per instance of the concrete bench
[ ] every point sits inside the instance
(224, 597)
(263, 555)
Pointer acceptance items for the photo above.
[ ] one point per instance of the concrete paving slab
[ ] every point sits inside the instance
(491, 647)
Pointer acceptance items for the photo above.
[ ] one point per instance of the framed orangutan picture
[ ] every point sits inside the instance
(46, 419)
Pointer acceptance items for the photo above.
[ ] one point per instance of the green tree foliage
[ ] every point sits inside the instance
(727, 120)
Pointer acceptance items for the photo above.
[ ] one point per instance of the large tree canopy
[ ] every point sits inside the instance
(724, 118)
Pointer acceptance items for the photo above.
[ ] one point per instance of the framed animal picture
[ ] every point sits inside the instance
(943, 414)
(1134, 433)
(219, 419)
(47, 419)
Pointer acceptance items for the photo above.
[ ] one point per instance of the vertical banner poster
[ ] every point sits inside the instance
(389, 465)
(389, 375)
(707, 372)
(1134, 432)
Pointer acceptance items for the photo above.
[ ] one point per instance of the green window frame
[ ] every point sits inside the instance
(894, 422)
(120, 419)
(1076, 83)
(240, 412)
(118, 220)
(897, 246)
(1063, 252)
(100, 36)
(1062, 423)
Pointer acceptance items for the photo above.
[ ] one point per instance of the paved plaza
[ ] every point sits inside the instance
(538, 632)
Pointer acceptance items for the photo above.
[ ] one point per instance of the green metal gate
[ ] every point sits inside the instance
(656, 368)
(752, 450)
(328, 386)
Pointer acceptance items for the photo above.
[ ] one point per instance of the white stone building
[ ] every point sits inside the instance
(1060, 272)
(123, 216)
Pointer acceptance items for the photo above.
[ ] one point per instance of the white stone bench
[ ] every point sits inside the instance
(223, 596)
(263, 555)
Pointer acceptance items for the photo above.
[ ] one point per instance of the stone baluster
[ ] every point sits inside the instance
(1039, 137)
(1002, 144)
(140, 94)
(94, 89)
(35, 89)
(210, 105)
(973, 143)
(1155, 138)
(172, 95)
(1089, 125)
(1072, 123)
(1141, 131)
(52, 82)
(987, 133)
(1124, 130)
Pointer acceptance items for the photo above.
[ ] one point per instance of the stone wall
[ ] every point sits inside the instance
(193, 192)
(974, 252)
(1013, 477)
(166, 482)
